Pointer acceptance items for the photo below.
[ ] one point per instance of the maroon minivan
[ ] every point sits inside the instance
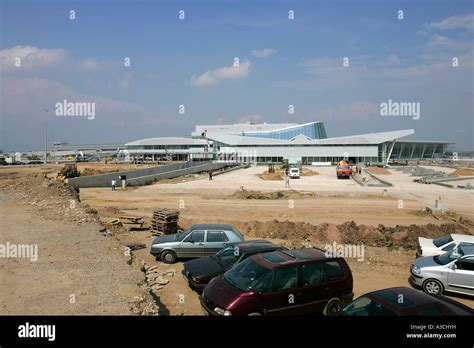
(285, 282)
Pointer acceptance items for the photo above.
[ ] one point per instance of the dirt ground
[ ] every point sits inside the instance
(75, 270)
(317, 210)
(322, 211)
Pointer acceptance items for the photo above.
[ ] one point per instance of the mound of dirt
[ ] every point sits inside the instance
(349, 232)
(55, 199)
(308, 172)
(464, 172)
(266, 175)
(249, 194)
(379, 171)
(91, 171)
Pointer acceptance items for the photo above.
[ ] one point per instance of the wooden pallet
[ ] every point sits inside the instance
(164, 221)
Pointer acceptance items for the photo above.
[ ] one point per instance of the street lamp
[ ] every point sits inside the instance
(46, 136)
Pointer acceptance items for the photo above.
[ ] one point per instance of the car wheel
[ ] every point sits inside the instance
(168, 256)
(333, 306)
(433, 287)
(254, 315)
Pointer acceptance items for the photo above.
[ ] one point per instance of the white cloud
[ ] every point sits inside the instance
(266, 52)
(440, 41)
(455, 22)
(213, 77)
(34, 58)
(30, 57)
(25, 97)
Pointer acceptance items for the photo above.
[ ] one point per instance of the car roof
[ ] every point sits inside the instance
(212, 227)
(254, 245)
(275, 259)
(462, 237)
(411, 299)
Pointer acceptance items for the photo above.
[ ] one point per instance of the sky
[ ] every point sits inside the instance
(192, 62)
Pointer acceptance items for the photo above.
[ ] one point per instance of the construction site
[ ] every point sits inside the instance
(94, 242)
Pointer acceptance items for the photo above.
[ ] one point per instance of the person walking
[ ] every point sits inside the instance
(114, 183)
(287, 181)
(210, 175)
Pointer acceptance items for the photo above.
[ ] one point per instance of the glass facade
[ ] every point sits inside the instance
(406, 151)
(313, 130)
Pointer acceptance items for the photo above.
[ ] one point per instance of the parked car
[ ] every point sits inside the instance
(452, 271)
(284, 282)
(404, 301)
(438, 246)
(197, 241)
(199, 272)
(294, 173)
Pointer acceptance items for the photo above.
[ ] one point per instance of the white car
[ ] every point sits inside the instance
(294, 173)
(441, 245)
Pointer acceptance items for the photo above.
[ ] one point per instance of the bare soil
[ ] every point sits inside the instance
(79, 271)
(277, 175)
(312, 214)
(379, 171)
(464, 172)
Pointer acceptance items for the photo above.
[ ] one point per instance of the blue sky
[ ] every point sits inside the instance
(189, 62)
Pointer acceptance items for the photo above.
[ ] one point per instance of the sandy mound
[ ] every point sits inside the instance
(266, 175)
(351, 233)
(308, 172)
(379, 171)
(464, 172)
(250, 194)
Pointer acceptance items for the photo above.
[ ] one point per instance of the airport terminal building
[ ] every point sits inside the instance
(272, 143)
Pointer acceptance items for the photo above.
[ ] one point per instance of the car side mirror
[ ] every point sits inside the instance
(453, 266)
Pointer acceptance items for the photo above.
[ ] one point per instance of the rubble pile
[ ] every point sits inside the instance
(55, 200)
(155, 278)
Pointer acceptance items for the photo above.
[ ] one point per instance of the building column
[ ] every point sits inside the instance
(423, 152)
(390, 152)
(413, 151)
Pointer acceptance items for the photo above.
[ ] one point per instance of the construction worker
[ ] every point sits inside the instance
(114, 183)
(287, 181)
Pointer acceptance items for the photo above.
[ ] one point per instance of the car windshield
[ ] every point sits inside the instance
(365, 306)
(183, 235)
(247, 275)
(449, 256)
(439, 242)
(226, 255)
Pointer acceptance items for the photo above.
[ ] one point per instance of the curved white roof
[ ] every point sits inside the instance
(361, 139)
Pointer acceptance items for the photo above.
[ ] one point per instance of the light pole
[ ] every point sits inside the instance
(46, 136)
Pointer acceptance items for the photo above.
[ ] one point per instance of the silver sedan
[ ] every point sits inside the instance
(197, 241)
(452, 271)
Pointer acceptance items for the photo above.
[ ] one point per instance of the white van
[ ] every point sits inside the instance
(294, 173)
